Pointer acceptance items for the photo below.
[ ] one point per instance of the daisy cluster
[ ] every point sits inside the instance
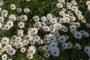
(69, 20)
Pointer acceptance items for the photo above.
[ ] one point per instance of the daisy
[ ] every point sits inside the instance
(74, 8)
(4, 13)
(53, 44)
(19, 9)
(49, 16)
(73, 2)
(65, 46)
(4, 57)
(57, 26)
(13, 7)
(89, 8)
(36, 18)
(1, 3)
(32, 31)
(64, 29)
(26, 10)
(69, 45)
(80, 17)
(12, 17)
(43, 18)
(46, 28)
(59, 5)
(62, 13)
(36, 38)
(62, 39)
(55, 52)
(87, 50)
(24, 17)
(25, 42)
(11, 52)
(23, 49)
(20, 33)
(9, 24)
(38, 25)
(5, 40)
(88, 3)
(77, 35)
(40, 42)
(32, 49)
(21, 24)
(85, 34)
(53, 20)
(28, 37)
(29, 56)
(47, 55)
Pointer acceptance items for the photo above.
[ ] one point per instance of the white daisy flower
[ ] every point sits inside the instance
(62, 39)
(5, 40)
(55, 52)
(53, 20)
(11, 52)
(78, 35)
(10, 24)
(28, 37)
(32, 49)
(19, 9)
(24, 17)
(36, 18)
(29, 56)
(89, 8)
(12, 6)
(1, 19)
(64, 29)
(4, 57)
(59, 5)
(46, 54)
(1, 2)
(4, 13)
(49, 16)
(62, 13)
(87, 50)
(74, 2)
(43, 18)
(21, 24)
(23, 49)
(33, 31)
(12, 17)
(26, 10)
(88, 3)
(20, 33)
(38, 25)
(57, 26)
(46, 28)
